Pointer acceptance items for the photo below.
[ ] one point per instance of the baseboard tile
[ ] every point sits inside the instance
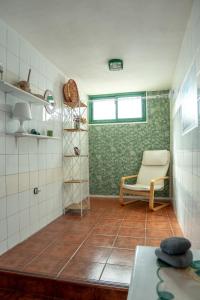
(114, 197)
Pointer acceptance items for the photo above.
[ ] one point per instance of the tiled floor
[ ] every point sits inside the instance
(98, 247)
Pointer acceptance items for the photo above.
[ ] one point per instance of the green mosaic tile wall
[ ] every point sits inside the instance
(116, 150)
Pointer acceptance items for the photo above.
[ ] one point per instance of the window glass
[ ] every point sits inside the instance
(129, 107)
(117, 108)
(104, 109)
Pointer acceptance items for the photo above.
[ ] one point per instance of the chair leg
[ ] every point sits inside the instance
(151, 198)
(162, 205)
(121, 200)
(151, 201)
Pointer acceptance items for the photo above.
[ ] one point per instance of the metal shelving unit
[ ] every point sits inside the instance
(75, 167)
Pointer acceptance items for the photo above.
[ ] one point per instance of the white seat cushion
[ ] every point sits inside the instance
(141, 187)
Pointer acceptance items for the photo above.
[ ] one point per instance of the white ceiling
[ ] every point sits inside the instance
(79, 36)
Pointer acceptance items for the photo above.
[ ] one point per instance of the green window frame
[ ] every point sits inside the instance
(102, 97)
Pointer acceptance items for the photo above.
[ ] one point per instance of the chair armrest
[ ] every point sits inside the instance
(153, 181)
(127, 177)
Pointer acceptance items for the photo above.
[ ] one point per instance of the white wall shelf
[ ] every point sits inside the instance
(8, 88)
(40, 137)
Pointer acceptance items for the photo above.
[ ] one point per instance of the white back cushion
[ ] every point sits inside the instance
(155, 158)
(149, 171)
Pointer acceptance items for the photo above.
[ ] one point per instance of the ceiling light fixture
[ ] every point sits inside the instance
(115, 64)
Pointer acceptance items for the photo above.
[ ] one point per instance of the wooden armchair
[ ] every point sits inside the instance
(150, 178)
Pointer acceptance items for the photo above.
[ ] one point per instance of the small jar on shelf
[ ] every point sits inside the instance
(78, 120)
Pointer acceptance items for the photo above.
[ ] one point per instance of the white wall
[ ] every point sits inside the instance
(26, 163)
(186, 148)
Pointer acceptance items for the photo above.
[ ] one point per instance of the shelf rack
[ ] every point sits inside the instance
(75, 104)
(74, 129)
(73, 155)
(75, 167)
(76, 181)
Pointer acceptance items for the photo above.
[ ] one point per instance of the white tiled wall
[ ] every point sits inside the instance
(186, 148)
(26, 163)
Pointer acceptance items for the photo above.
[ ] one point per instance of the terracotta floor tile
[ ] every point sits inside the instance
(44, 265)
(153, 242)
(100, 240)
(60, 250)
(128, 242)
(35, 246)
(56, 246)
(79, 228)
(135, 217)
(138, 205)
(72, 238)
(158, 224)
(114, 215)
(131, 231)
(93, 254)
(158, 234)
(82, 270)
(117, 274)
(135, 224)
(45, 235)
(171, 213)
(121, 257)
(138, 211)
(110, 222)
(133, 208)
(177, 232)
(160, 212)
(108, 230)
(14, 260)
(173, 222)
(175, 226)
(155, 218)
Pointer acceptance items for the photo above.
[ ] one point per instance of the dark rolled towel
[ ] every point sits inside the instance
(176, 261)
(175, 245)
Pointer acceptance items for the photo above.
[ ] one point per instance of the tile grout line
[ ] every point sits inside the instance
(133, 250)
(37, 256)
(122, 218)
(145, 227)
(90, 231)
(170, 224)
(112, 246)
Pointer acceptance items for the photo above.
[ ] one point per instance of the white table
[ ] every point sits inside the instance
(150, 280)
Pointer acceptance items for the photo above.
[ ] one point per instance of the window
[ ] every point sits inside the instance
(117, 108)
